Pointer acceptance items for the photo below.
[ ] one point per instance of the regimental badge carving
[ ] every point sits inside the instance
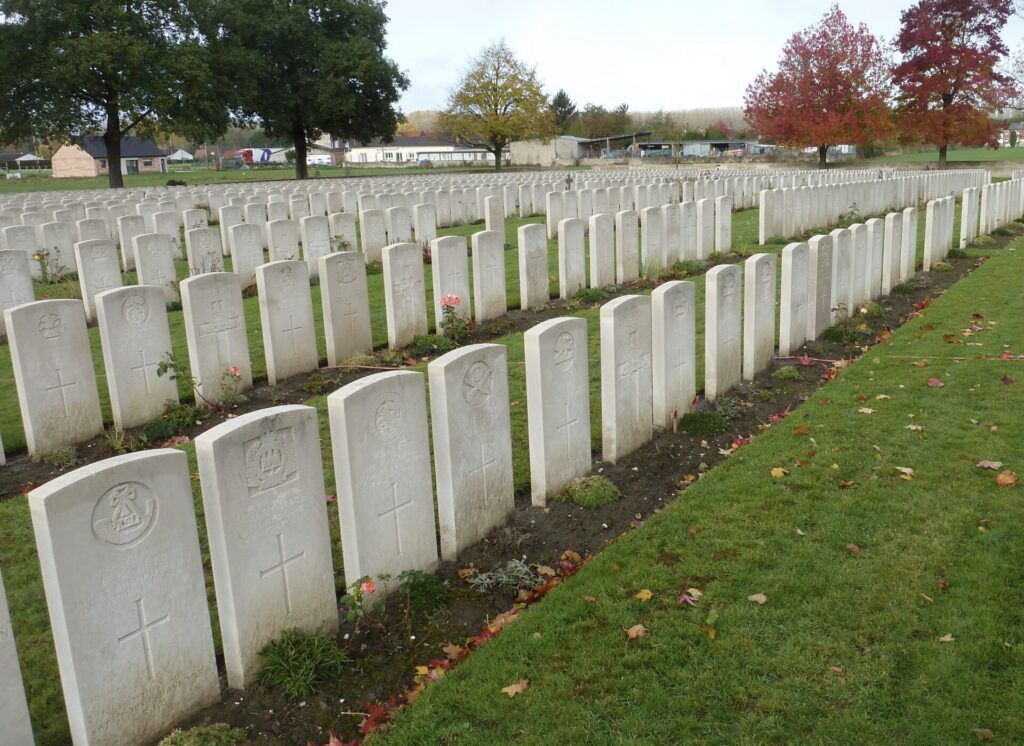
(766, 273)
(679, 307)
(135, 309)
(8, 266)
(50, 325)
(729, 285)
(565, 352)
(388, 417)
(476, 384)
(286, 276)
(270, 460)
(124, 514)
(346, 272)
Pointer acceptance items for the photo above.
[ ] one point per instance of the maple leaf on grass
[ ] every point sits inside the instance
(867, 410)
(637, 630)
(758, 598)
(779, 472)
(935, 383)
(643, 595)
(1006, 478)
(906, 472)
(515, 688)
(947, 638)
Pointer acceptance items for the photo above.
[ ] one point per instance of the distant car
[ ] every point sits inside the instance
(318, 159)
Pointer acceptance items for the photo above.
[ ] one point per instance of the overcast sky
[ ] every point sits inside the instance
(651, 54)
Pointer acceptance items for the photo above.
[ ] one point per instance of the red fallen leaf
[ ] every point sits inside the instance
(943, 584)
(1007, 380)
(923, 304)
(853, 549)
(1006, 355)
(29, 487)
(739, 442)
(935, 383)
(332, 499)
(378, 714)
(804, 361)
(977, 315)
(778, 416)
(571, 556)
(336, 741)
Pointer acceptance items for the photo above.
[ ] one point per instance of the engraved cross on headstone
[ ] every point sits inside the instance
(393, 512)
(482, 468)
(143, 631)
(407, 289)
(144, 368)
(282, 567)
(634, 364)
(566, 426)
(292, 328)
(59, 387)
(218, 329)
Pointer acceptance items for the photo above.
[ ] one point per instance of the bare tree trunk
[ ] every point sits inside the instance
(299, 139)
(112, 139)
(496, 148)
(823, 156)
(942, 155)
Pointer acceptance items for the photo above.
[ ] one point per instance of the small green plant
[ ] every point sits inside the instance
(591, 295)
(715, 256)
(453, 325)
(766, 395)
(121, 441)
(316, 384)
(703, 423)
(231, 388)
(352, 601)
(157, 430)
(215, 734)
(727, 407)
(871, 310)
(902, 290)
(375, 268)
(510, 577)
(58, 458)
(1002, 231)
(423, 593)
(431, 344)
(983, 241)
(591, 491)
(744, 252)
(299, 662)
(942, 267)
(340, 244)
(573, 304)
(787, 373)
(180, 415)
(839, 334)
(957, 254)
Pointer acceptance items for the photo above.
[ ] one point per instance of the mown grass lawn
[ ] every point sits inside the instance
(17, 546)
(956, 155)
(895, 606)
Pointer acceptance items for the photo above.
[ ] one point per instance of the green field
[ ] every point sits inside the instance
(962, 155)
(17, 547)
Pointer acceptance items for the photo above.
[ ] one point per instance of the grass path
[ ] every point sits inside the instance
(849, 646)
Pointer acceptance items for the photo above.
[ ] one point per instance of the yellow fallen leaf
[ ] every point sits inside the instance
(695, 593)
(571, 556)
(947, 638)
(986, 464)
(590, 599)
(914, 427)
(644, 595)
(545, 571)
(778, 472)
(1006, 478)
(422, 670)
(905, 472)
(516, 688)
(758, 598)
(880, 397)
(637, 630)
(800, 533)
(867, 410)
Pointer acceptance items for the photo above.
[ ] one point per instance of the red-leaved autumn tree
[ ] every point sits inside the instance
(831, 87)
(949, 86)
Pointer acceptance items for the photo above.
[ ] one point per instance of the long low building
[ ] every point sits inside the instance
(89, 158)
(411, 149)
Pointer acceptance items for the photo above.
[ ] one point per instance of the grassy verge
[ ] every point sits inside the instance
(894, 605)
(960, 155)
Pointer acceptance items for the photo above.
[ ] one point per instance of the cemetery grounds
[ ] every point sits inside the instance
(865, 569)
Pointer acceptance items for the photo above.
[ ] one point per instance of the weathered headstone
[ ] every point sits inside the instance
(722, 330)
(58, 249)
(533, 267)
(218, 348)
(626, 381)
(123, 576)
(202, 246)
(602, 250)
(842, 268)
(793, 308)
(424, 217)
(908, 249)
(135, 340)
(876, 249)
(558, 404)
(572, 259)
(54, 374)
(343, 231)
(14, 718)
(15, 283)
(246, 252)
(346, 306)
(266, 518)
(652, 241)
(892, 251)
(382, 471)
(627, 247)
(286, 319)
(469, 411)
(450, 276)
(374, 235)
(399, 225)
(673, 359)
(283, 240)
(758, 314)
(489, 300)
(819, 286)
(405, 299)
(129, 226)
(154, 264)
(316, 241)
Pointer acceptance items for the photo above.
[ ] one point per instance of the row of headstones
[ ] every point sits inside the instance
(1000, 204)
(114, 575)
(792, 211)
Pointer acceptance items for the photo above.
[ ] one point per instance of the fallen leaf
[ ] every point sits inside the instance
(331, 499)
(838, 671)
(853, 549)
(943, 584)
(883, 396)
(572, 556)
(914, 427)
(686, 598)
(637, 630)
(589, 599)
(1007, 380)
(643, 595)
(800, 533)
(465, 572)
(935, 383)
(801, 430)
(867, 410)
(758, 598)
(455, 652)
(506, 617)
(545, 571)
(696, 593)
(986, 464)
(948, 637)
(692, 530)
(711, 632)
(1006, 478)
(844, 483)
(983, 734)
(905, 472)
(927, 598)
(517, 688)
(921, 364)
(778, 471)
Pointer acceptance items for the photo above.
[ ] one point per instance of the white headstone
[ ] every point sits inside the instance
(15, 283)
(373, 232)
(533, 266)
(135, 339)
(283, 240)
(53, 372)
(58, 249)
(673, 311)
(382, 473)
(204, 252)
(343, 230)
(346, 309)
(399, 223)
(450, 275)
(218, 348)
(819, 286)
(652, 241)
(758, 314)
(558, 404)
(123, 577)
(286, 319)
(14, 718)
(626, 380)
(705, 209)
(469, 413)
(602, 250)
(316, 241)
(246, 252)
(908, 250)
(424, 218)
(892, 251)
(572, 259)
(723, 224)
(266, 519)
(876, 248)
(489, 299)
(154, 264)
(721, 330)
(129, 226)
(627, 247)
(793, 308)
(842, 274)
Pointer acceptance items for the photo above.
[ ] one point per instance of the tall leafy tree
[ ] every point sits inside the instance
(112, 66)
(831, 87)
(498, 100)
(307, 67)
(563, 109)
(949, 84)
